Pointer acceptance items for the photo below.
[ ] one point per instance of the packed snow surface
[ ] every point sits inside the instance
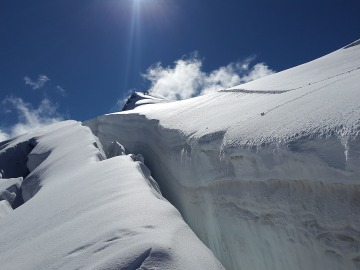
(267, 173)
(83, 210)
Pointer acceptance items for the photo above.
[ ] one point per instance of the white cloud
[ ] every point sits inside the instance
(29, 118)
(186, 79)
(258, 71)
(181, 81)
(3, 136)
(37, 84)
(61, 90)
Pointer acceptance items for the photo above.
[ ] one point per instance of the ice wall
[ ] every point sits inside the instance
(255, 208)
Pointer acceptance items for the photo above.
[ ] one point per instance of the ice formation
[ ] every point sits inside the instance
(82, 210)
(266, 173)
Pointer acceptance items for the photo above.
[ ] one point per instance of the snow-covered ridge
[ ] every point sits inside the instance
(83, 210)
(266, 174)
(137, 99)
(267, 179)
(328, 67)
(355, 43)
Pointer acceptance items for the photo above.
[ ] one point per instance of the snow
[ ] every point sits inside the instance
(328, 69)
(355, 43)
(137, 99)
(83, 210)
(9, 191)
(5, 208)
(6, 184)
(266, 173)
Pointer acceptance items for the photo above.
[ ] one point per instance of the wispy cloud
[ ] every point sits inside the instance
(186, 78)
(37, 84)
(29, 118)
(3, 136)
(61, 90)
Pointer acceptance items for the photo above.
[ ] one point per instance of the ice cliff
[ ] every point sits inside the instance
(266, 173)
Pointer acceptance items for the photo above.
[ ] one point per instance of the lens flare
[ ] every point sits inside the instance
(144, 15)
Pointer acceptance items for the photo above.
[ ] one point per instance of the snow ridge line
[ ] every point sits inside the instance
(247, 91)
(255, 91)
(307, 93)
(289, 101)
(355, 43)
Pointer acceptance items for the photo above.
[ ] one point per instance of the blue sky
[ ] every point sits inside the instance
(77, 59)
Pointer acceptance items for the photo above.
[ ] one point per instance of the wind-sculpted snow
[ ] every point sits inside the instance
(267, 181)
(84, 211)
(139, 99)
(10, 196)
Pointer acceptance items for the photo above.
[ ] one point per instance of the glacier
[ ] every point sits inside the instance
(265, 173)
(84, 210)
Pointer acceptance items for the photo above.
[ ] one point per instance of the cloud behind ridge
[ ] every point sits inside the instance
(29, 118)
(186, 78)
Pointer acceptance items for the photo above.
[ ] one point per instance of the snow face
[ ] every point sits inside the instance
(84, 211)
(266, 173)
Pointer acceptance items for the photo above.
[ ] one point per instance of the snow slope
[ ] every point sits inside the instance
(84, 211)
(267, 173)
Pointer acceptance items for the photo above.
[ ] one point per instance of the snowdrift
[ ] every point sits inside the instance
(266, 173)
(82, 210)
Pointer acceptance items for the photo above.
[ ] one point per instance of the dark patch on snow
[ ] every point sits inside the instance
(137, 157)
(145, 98)
(13, 160)
(245, 91)
(12, 195)
(18, 199)
(34, 160)
(131, 102)
(7, 195)
(79, 249)
(113, 149)
(13, 164)
(138, 262)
